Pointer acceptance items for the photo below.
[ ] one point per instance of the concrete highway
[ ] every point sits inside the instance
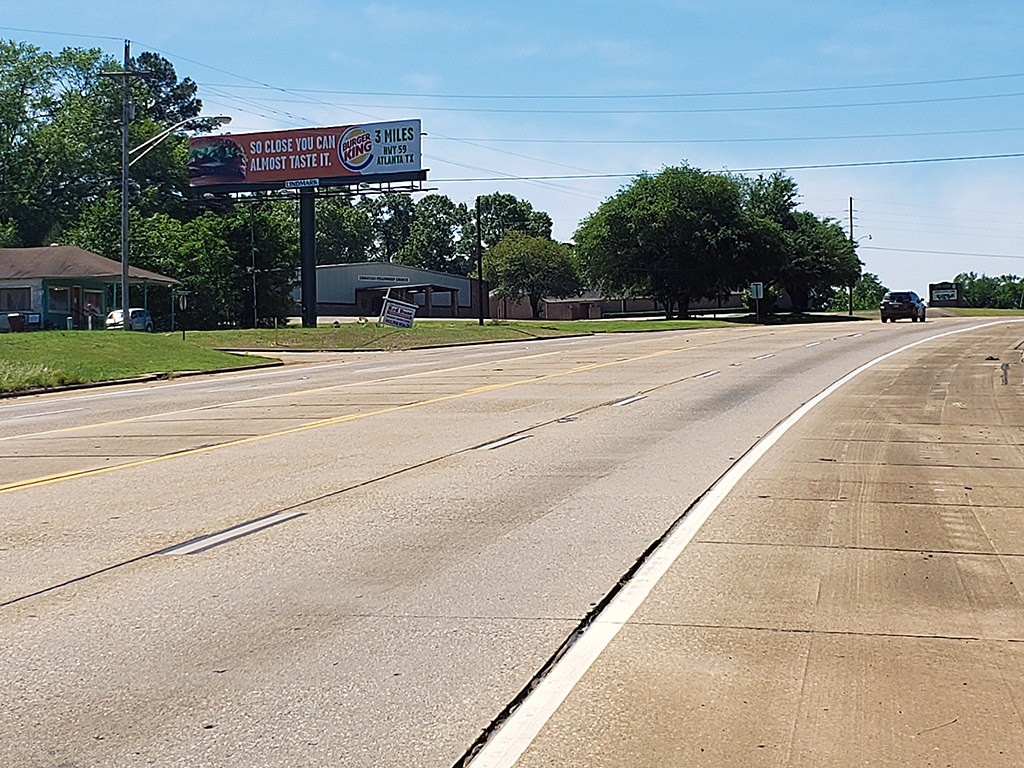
(362, 561)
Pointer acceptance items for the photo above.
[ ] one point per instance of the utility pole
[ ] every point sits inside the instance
(126, 119)
(479, 262)
(854, 245)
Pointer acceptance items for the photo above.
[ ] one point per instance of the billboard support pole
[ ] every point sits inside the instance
(307, 248)
(479, 263)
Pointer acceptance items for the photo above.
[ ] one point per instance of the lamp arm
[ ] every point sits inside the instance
(152, 142)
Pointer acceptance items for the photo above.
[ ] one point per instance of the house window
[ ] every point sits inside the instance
(15, 299)
(59, 300)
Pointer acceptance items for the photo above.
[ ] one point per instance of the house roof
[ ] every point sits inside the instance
(68, 261)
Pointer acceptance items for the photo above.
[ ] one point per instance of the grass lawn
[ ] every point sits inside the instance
(56, 358)
(425, 333)
(967, 312)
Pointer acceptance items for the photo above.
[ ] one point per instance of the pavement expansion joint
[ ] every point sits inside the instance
(859, 548)
(881, 502)
(829, 632)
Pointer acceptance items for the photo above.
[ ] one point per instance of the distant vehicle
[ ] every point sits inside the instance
(902, 304)
(138, 320)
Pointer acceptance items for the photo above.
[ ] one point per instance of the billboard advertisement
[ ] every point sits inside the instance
(305, 156)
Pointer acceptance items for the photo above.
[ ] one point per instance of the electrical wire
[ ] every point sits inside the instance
(942, 253)
(694, 94)
(681, 110)
(760, 140)
(769, 169)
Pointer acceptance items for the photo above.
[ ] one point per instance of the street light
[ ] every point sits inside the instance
(126, 163)
(150, 143)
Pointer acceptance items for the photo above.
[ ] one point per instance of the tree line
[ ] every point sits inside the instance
(685, 234)
(1003, 292)
(675, 236)
(60, 166)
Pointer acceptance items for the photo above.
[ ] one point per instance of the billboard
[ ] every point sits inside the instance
(306, 156)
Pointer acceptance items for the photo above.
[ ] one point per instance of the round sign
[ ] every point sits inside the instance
(355, 150)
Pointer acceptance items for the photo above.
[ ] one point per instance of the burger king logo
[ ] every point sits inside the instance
(355, 150)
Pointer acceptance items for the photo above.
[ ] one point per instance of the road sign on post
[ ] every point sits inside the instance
(757, 293)
(182, 302)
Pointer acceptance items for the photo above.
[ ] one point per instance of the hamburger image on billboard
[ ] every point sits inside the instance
(215, 160)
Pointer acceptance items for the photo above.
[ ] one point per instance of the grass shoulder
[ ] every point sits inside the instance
(426, 333)
(983, 312)
(47, 359)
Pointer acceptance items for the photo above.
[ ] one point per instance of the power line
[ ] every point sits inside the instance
(943, 253)
(782, 167)
(849, 137)
(61, 34)
(678, 111)
(890, 204)
(560, 97)
(283, 90)
(620, 96)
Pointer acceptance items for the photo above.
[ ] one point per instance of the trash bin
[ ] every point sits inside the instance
(16, 322)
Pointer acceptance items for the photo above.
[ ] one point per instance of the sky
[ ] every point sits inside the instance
(914, 110)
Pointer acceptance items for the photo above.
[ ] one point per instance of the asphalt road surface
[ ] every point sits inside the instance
(361, 561)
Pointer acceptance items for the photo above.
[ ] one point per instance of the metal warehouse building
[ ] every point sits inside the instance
(358, 290)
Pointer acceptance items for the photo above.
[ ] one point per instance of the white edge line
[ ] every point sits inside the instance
(500, 443)
(518, 732)
(45, 413)
(198, 545)
(628, 400)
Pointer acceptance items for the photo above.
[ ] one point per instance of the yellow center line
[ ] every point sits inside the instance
(250, 401)
(50, 479)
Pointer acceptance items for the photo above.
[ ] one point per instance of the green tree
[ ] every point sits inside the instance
(344, 232)
(164, 98)
(675, 236)
(214, 255)
(1004, 292)
(434, 237)
(771, 197)
(24, 98)
(823, 257)
(500, 214)
(769, 204)
(535, 267)
(390, 217)
(8, 235)
(58, 138)
(867, 294)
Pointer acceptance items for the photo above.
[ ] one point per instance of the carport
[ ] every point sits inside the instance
(421, 295)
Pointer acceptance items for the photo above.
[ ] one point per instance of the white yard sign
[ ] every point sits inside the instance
(397, 313)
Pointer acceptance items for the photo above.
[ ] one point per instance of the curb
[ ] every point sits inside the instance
(148, 377)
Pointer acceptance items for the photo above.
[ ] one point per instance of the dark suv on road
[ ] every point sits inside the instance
(902, 304)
